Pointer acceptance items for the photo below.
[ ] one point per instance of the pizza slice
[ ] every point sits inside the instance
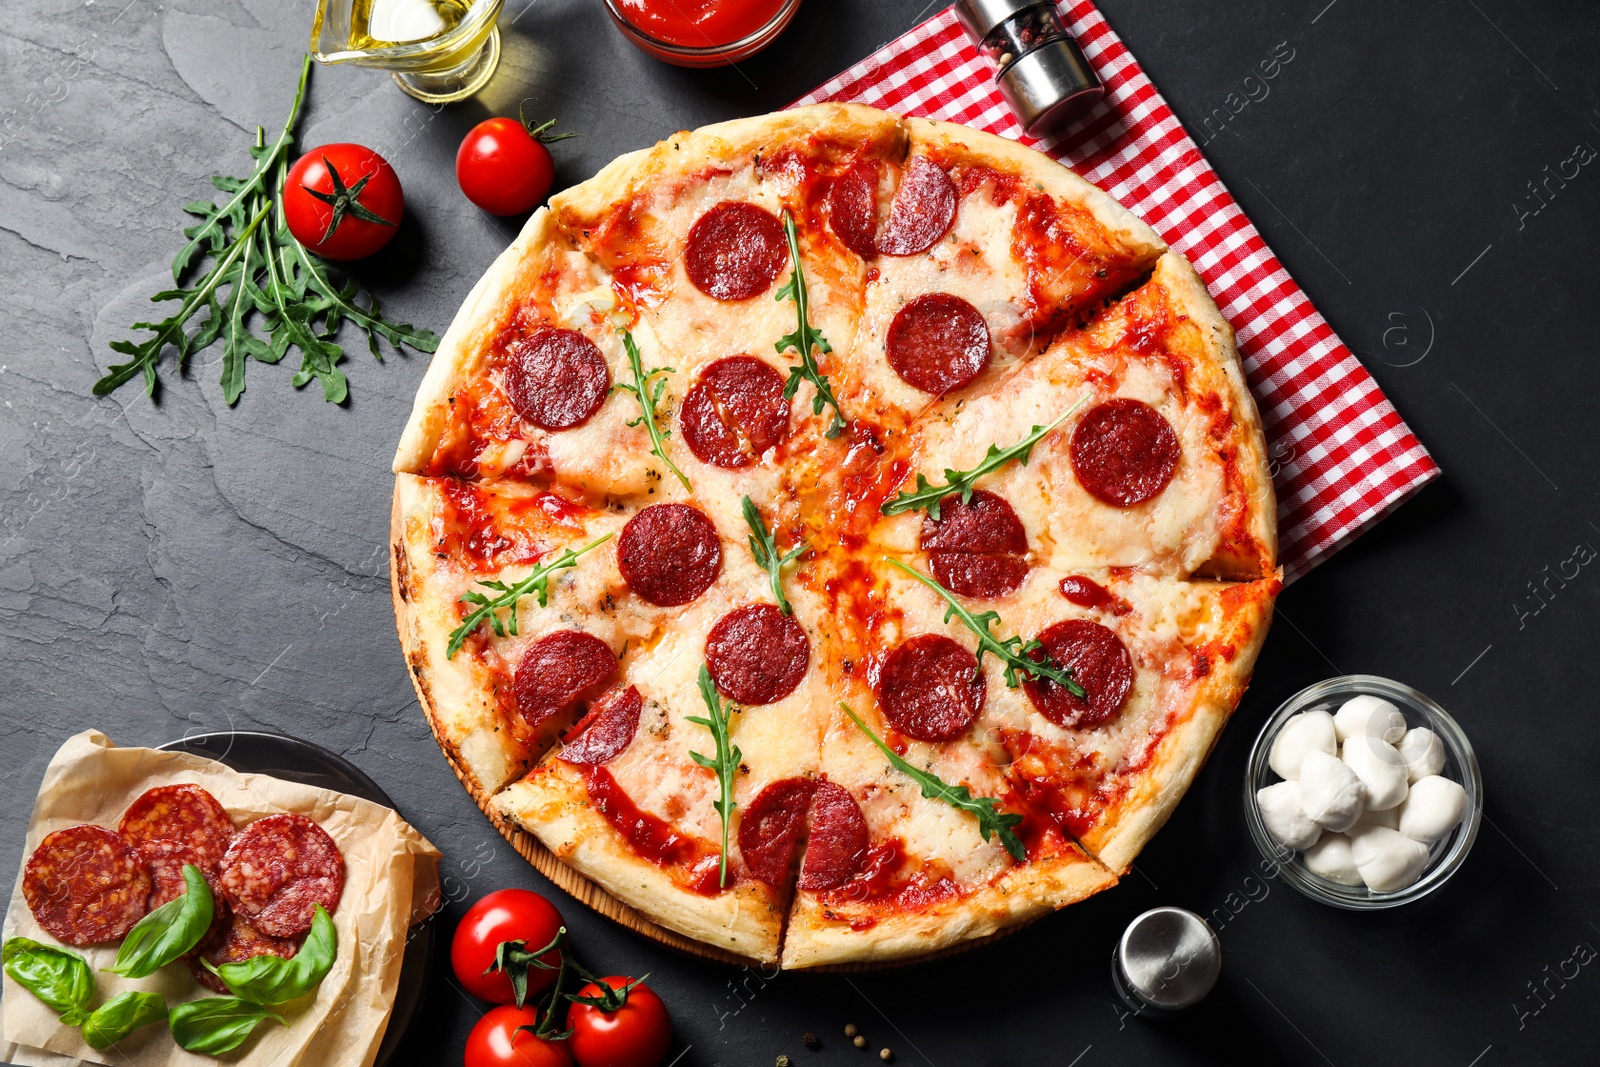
(917, 838)
(1156, 666)
(984, 252)
(727, 703)
(1154, 460)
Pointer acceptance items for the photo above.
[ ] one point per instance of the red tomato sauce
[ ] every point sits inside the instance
(699, 23)
(692, 864)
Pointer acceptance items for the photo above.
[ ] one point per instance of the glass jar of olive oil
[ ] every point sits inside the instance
(439, 51)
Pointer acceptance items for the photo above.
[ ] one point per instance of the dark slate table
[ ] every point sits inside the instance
(184, 567)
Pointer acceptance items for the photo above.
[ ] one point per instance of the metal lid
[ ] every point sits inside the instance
(978, 17)
(1168, 959)
(1050, 86)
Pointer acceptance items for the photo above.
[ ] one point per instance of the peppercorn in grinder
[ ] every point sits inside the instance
(1040, 70)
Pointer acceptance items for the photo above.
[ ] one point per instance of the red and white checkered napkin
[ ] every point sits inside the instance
(1342, 457)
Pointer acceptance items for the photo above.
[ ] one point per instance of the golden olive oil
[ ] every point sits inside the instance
(450, 12)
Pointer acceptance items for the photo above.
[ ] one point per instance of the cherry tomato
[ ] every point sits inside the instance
(507, 915)
(504, 167)
(497, 1041)
(343, 201)
(635, 1035)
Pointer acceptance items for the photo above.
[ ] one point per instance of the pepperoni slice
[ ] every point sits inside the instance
(86, 884)
(735, 412)
(938, 342)
(757, 654)
(930, 688)
(735, 251)
(556, 378)
(164, 860)
(277, 870)
(236, 942)
(838, 844)
(1088, 593)
(183, 813)
(853, 207)
(607, 729)
(669, 554)
(1124, 452)
(922, 210)
(770, 828)
(1100, 664)
(559, 671)
(978, 548)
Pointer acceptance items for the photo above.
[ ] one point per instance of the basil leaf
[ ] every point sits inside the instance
(273, 980)
(121, 1016)
(169, 931)
(60, 979)
(216, 1024)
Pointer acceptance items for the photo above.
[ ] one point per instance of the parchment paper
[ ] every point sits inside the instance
(391, 881)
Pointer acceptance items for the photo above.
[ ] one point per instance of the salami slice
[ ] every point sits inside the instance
(735, 251)
(930, 688)
(277, 870)
(164, 860)
(669, 554)
(607, 730)
(236, 942)
(1099, 662)
(938, 343)
(770, 829)
(86, 884)
(921, 212)
(853, 207)
(735, 412)
(1124, 452)
(186, 814)
(559, 671)
(757, 654)
(838, 844)
(978, 548)
(556, 378)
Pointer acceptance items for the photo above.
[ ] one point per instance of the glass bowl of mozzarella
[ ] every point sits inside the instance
(1363, 792)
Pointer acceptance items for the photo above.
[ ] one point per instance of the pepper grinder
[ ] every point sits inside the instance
(1168, 959)
(1041, 71)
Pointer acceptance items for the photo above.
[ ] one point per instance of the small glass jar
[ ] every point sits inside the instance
(444, 68)
(1445, 856)
(711, 54)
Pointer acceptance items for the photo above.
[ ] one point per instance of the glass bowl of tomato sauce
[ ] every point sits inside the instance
(701, 33)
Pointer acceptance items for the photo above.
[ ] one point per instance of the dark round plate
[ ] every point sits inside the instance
(294, 760)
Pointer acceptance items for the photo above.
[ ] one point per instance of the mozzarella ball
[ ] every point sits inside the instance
(1333, 796)
(1283, 812)
(1423, 752)
(1330, 858)
(1380, 768)
(1307, 732)
(1387, 859)
(1433, 809)
(1366, 716)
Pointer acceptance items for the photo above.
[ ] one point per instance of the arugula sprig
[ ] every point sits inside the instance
(272, 286)
(991, 820)
(805, 338)
(929, 496)
(537, 583)
(1013, 651)
(649, 398)
(725, 763)
(764, 547)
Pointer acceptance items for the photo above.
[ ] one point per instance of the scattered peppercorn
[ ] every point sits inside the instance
(886, 1055)
(783, 1061)
(861, 1041)
(811, 1041)
(850, 1030)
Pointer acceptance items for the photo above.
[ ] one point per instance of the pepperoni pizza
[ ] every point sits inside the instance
(836, 536)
